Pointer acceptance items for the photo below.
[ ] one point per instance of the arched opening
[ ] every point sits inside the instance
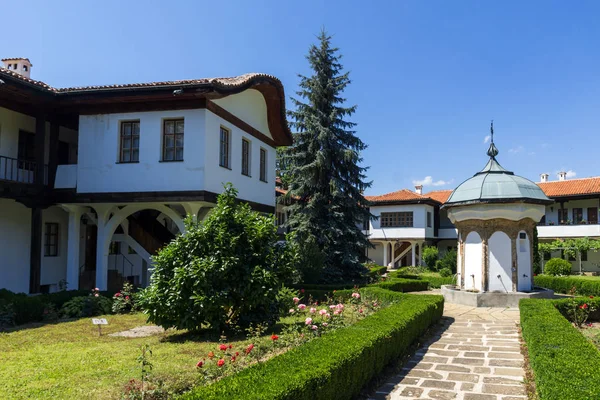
(473, 262)
(500, 263)
(130, 237)
(524, 270)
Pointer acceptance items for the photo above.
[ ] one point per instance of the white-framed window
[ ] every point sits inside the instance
(129, 147)
(173, 139)
(403, 219)
(245, 157)
(224, 148)
(51, 240)
(263, 164)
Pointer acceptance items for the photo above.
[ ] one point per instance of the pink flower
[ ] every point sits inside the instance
(96, 295)
(323, 312)
(296, 300)
(331, 307)
(96, 289)
(327, 315)
(314, 327)
(126, 297)
(308, 321)
(292, 311)
(301, 307)
(340, 306)
(313, 310)
(325, 324)
(356, 295)
(336, 312)
(117, 294)
(360, 311)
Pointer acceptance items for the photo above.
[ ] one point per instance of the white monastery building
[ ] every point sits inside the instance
(94, 180)
(408, 220)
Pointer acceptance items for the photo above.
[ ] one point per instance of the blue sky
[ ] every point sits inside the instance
(427, 76)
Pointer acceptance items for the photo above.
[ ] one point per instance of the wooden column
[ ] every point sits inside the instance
(35, 255)
(40, 147)
(53, 153)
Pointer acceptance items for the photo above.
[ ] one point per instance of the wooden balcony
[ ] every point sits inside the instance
(15, 170)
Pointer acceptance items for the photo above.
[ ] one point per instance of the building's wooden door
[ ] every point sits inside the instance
(592, 215)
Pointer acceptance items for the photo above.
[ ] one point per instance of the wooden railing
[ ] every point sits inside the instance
(22, 171)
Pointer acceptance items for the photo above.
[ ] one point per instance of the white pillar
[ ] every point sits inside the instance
(73, 239)
(102, 247)
(420, 259)
(385, 254)
(392, 255)
(412, 249)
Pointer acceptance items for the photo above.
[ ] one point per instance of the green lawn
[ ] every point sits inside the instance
(69, 361)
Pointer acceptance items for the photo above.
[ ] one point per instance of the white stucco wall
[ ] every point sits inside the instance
(12, 122)
(249, 187)
(500, 259)
(524, 271)
(419, 229)
(249, 106)
(473, 261)
(376, 254)
(15, 228)
(98, 169)
(54, 269)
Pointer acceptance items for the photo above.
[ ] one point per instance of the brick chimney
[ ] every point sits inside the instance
(562, 176)
(21, 66)
(544, 177)
(419, 189)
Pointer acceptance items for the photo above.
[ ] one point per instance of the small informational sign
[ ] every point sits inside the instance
(99, 322)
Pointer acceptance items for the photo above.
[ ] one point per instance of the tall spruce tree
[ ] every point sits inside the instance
(322, 167)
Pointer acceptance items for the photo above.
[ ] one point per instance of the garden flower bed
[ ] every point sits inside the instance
(69, 360)
(336, 365)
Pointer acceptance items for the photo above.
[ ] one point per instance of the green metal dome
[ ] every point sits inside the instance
(494, 184)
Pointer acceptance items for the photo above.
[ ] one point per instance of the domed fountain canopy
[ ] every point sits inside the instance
(494, 184)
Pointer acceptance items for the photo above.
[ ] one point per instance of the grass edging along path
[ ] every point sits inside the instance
(336, 365)
(565, 364)
(584, 285)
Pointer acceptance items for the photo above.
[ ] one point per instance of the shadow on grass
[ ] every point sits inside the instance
(210, 335)
(34, 325)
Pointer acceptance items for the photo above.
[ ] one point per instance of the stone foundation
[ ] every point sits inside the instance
(491, 299)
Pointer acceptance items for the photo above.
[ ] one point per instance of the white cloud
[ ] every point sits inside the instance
(571, 174)
(531, 153)
(487, 139)
(428, 181)
(516, 150)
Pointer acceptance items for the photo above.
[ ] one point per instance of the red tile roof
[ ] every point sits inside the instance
(439, 195)
(400, 195)
(554, 189)
(230, 82)
(571, 187)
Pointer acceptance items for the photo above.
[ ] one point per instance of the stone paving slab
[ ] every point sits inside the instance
(474, 355)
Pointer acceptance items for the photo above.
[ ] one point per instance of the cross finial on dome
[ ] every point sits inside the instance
(492, 150)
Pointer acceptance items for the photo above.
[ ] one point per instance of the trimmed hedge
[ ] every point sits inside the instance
(564, 284)
(336, 365)
(557, 267)
(565, 364)
(377, 271)
(563, 305)
(403, 285)
(31, 308)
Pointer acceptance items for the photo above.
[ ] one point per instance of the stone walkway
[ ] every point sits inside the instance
(474, 355)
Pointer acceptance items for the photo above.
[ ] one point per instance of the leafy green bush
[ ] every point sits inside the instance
(336, 365)
(565, 364)
(430, 256)
(403, 285)
(557, 267)
(124, 300)
(447, 261)
(569, 284)
(445, 272)
(403, 275)
(86, 306)
(376, 271)
(436, 282)
(311, 261)
(565, 306)
(225, 271)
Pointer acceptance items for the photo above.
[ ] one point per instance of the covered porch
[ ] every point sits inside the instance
(396, 253)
